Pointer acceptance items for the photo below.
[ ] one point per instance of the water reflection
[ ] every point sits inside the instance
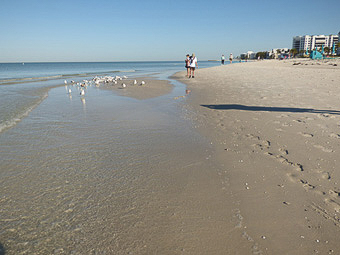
(83, 101)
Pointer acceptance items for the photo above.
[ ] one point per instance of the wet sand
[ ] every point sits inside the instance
(150, 89)
(106, 174)
(275, 128)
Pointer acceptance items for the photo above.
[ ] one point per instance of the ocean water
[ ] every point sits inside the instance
(23, 86)
(100, 174)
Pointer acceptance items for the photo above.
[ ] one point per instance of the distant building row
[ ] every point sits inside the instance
(311, 42)
(274, 53)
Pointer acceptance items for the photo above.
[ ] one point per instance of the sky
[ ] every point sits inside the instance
(150, 30)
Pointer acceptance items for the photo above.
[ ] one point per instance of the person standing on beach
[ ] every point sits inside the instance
(222, 59)
(187, 64)
(193, 65)
(231, 58)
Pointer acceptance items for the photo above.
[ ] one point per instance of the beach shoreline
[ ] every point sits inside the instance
(106, 172)
(216, 166)
(274, 125)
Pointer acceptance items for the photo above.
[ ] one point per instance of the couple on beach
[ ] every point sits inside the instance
(190, 65)
(230, 59)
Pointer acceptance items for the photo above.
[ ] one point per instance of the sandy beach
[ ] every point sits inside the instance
(245, 163)
(275, 128)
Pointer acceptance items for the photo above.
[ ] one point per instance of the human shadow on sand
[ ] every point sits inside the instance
(266, 109)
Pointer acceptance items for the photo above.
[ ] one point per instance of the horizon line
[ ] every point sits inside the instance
(127, 61)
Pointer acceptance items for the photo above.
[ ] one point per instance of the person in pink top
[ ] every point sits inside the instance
(187, 64)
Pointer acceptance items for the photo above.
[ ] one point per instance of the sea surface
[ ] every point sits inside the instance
(23, 86)
(100, 174)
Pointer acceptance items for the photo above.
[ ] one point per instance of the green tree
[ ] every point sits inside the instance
(261, 54)
(293, 52)
(327, 50)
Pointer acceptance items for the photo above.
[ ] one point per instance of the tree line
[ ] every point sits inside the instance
(293, 52)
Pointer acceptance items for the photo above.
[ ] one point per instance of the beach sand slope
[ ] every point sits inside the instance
(275, 127)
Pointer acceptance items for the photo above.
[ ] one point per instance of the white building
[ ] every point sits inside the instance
(276, 53)
(249, 55)
(338, 47)
(312, 42)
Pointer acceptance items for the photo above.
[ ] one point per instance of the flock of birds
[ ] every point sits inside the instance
(81, 86)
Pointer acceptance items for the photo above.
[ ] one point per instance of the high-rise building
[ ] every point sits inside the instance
(312, 42)
(338, 42)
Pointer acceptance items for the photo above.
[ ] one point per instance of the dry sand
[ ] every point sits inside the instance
(276, 129)
(152, 88)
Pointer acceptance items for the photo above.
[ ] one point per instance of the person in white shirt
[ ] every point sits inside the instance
(193, 65)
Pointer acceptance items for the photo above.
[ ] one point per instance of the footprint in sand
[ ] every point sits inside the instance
(307, 185)
(333, 135)
(333, 199)
(325, 115)
(296, 179)
(334, 204)
(299, 121)
(324, 175)
(282, 116)
(283, 160)
(239, 218)
(306, 134)
(257, 138)
(334, 194)
(258, 146)
(323, 148)
(322, 211)
(283, 151)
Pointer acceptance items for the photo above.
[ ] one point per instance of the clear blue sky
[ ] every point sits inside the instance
(137, 30)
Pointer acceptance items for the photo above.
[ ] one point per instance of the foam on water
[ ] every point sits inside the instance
(6, 124)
